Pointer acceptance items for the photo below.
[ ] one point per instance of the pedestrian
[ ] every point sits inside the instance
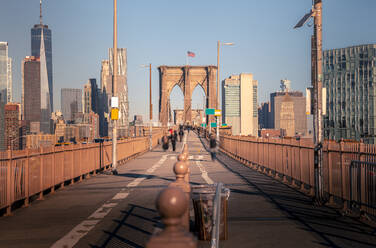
(165, 142)
(181, 134)
(213, 146)
(174, 137)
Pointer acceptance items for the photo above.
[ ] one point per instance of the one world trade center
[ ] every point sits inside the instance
(41, 46)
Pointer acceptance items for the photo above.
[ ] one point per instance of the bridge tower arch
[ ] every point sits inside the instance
(187, 78)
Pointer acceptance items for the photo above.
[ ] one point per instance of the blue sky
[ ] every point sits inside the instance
(161, 32)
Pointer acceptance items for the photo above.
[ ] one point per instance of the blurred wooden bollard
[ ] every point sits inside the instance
(184, 158)
(185, 149)
(180, 170)
(171, 204)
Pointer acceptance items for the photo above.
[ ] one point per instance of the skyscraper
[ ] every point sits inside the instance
(5, 74)
(105, 96)
(239, 104)
(122, 89)
(71, 103)
(11, 114)
(107, 92)
(287, 111)
(90, 97)
(41, 39)
(350, 80)
(31, 93)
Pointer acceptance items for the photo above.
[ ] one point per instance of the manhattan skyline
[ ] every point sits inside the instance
(161, 33)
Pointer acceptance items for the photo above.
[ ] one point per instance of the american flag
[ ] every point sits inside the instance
(191, 54)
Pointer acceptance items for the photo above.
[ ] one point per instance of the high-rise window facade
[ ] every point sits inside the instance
(350, 79)
(31, 93)
(239, 104)
(71, 103)
(5, 74)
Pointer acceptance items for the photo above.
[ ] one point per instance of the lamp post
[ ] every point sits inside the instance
(317, 85)
(218, 47)
(150, 107)
(114, 91)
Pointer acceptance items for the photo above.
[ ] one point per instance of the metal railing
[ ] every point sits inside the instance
(363, 185)
(30, 172)
(292, 161)
(216, 216)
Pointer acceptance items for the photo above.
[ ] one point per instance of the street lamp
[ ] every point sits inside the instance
(114, 91)
(317, 77)
(218, 46)
(150, 107)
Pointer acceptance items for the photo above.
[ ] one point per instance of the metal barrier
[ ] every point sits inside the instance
(363, 186)
(216, 216)
(292, 161)
(30, 172)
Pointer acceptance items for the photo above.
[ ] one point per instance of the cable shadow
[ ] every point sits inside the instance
(133, 229)
(331, 228)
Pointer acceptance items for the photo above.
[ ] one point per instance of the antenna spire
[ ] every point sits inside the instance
(40, 11)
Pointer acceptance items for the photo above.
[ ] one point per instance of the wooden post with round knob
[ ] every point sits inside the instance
(180, 170)
(171, 205)
(184, 158)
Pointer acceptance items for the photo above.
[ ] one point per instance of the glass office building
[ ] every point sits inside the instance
(71, 103)
(36, 35)
(5, 74)
(239, 104)
(350, 79)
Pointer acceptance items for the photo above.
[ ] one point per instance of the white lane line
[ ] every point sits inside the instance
(190, 157)
(204, 174)
(79, 231)
(184, 141)
(101, 212)
(76, 234)
(120, 196)
(136, 182)
(200, 157)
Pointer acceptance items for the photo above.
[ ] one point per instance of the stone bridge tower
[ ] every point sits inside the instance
(187, 78)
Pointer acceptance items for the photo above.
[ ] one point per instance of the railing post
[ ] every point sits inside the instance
(330, 172)
(41, 164)
(172, 203)
(9, 184)
(184, 158)
(62, 168)
(180, 170)
(95, 157)
(26, 202)
(71, 153)
(301, 164)
(53, 170)
(80, 160)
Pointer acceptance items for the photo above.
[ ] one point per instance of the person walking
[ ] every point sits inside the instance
(174, 137)
(181, 134)
(165, 142)
(213, 146)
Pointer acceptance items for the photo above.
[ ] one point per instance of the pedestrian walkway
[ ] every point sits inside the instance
(119, 211)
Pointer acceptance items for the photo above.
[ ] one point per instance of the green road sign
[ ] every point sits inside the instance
(213, 124)
(203, 125)
(209, 111)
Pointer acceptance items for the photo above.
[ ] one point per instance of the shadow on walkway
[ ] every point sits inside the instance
(327, 224)
(134, 228)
